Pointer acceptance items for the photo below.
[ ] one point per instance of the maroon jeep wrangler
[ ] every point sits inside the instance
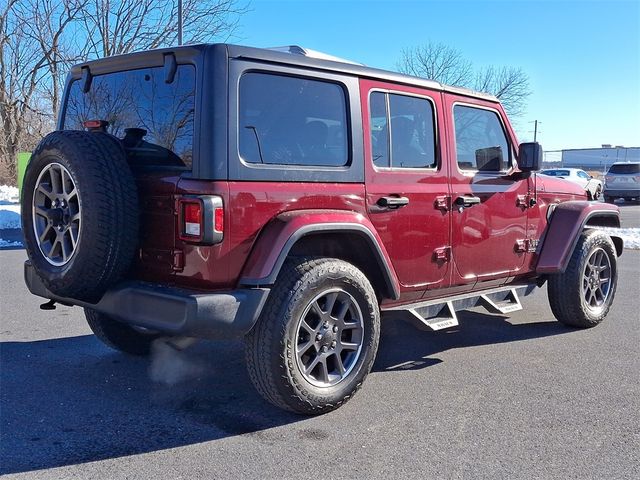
(294, 199)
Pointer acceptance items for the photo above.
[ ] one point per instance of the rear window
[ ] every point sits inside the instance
(628, 168)
(154, 119)
(288, 120)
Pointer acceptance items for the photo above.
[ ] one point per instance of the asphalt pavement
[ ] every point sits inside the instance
(497, 397)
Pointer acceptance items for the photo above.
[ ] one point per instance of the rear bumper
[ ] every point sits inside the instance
(175, 311)
(622, 192)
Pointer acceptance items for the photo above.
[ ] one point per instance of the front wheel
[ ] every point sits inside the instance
(317, 337)
(583, 294)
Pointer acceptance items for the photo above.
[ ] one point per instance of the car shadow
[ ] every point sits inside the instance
(403, 347)
(71, 400)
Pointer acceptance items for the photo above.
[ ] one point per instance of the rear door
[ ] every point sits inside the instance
(489, 213)
(406, 182)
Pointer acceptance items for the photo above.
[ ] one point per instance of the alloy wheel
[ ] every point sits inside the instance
(329, 338)
(56, 214)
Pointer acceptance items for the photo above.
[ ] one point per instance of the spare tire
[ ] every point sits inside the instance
(79, 213)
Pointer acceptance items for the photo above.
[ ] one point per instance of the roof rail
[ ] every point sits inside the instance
(298, 50)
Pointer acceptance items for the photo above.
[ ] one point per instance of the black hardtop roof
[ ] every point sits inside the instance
(155, 58)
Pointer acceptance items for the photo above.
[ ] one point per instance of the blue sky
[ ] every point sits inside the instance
(582, 57)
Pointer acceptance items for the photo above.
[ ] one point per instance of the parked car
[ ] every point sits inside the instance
(220, 191)
(622, 181)
(591, 185)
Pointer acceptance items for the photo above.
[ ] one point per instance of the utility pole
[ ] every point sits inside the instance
(179, 22)
(535, 130)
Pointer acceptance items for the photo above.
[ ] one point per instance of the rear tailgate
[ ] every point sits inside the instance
(157, 258)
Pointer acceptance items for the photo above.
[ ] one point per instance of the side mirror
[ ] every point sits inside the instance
(529, 157)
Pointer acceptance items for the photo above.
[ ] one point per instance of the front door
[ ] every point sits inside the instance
(489, 197)
(406, 182)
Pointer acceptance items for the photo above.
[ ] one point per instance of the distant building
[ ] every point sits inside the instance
(599, 159)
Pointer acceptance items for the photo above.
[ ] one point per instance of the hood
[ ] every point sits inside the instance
(558, 185)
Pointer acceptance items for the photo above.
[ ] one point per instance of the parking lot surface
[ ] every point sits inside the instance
(497, 397)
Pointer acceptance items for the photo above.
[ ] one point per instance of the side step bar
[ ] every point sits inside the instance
(439, 314)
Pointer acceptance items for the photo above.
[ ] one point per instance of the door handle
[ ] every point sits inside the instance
(465, 201)
(392, 202)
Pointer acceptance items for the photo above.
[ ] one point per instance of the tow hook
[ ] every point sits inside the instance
(50, 305)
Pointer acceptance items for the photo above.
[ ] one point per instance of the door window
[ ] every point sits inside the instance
(410, 142)
(481, 143)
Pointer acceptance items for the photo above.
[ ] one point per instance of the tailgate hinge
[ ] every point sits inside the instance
(178, 260)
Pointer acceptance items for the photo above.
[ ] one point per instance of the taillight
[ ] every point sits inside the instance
(95, 125)
(192, 217)
(201, 219)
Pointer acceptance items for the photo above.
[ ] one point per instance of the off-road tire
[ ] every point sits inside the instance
(565, 290)
(109, 213)
(118, 335)
(270, 346)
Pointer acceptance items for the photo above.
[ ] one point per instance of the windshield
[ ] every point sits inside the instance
(154, 119)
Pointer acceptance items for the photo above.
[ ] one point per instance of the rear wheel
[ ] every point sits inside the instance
(317, 337)
(582, 295)
(120, 336)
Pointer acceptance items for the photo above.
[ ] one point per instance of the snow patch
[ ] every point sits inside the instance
(9, 194)
(630, 236)
(8, 244)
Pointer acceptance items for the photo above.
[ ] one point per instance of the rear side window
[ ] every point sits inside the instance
(286, 120)
(625, 168)
(481, 143)
(154, 119)
(410, 142)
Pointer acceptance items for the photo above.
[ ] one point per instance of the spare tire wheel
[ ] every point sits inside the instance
(79, 213)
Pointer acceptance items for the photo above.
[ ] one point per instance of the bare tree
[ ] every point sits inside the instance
(40, 39)
(114, 27)
(436, 61)
(25, 72)
(439, 62)
(509, 84)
